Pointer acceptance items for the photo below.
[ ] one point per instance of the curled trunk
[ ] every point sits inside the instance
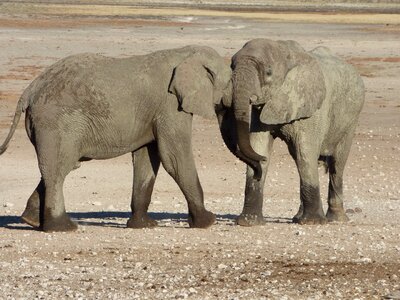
(245, 85)
(229, 132)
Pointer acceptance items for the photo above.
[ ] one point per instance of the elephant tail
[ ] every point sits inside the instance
(21, 106)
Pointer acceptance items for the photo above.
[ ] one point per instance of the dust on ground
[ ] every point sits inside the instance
(280, 260)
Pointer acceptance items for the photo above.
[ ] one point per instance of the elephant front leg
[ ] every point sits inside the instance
(310, 198)
(337, 163)
(252, 213)
(177, 159)
(31, 214)
(312, 205)
(299, 213)
(146, 163)
(335, 199)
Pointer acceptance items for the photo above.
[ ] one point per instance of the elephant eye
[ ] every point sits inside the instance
(268, 75)
(268, 71)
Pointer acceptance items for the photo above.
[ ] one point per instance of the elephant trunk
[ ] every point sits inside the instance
(228, 128)
(242, 93)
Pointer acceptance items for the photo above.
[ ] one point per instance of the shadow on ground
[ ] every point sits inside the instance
(113, 219)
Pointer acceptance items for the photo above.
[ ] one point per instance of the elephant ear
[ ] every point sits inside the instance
(192, 83)
(300, 95)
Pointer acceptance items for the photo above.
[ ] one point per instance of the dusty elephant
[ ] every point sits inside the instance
(89, 106)
(312, 101)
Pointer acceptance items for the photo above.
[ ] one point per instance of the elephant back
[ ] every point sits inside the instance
(342, 80)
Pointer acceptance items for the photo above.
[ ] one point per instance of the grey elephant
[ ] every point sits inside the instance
(89, 106)
(312, 101)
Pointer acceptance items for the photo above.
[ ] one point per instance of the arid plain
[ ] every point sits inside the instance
(281, 260)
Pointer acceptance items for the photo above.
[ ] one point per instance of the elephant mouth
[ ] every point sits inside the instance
(259, 106)
(256, 101)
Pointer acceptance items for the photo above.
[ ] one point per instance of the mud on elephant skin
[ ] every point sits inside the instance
(89, 106)
(312, 101)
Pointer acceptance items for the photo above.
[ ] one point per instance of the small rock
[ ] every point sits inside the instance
(244, 278)
(266, 273)
(365, 260)
(394, 296)
(222, 266)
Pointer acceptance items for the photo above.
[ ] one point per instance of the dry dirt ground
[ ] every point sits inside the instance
(281, 260)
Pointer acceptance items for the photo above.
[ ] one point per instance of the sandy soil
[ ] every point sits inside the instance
(281, 260)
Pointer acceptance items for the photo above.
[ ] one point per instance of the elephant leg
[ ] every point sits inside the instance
(56, 159)
(299, 213)
(146, 163)
(337, 163)
(252, 213)
(177, 159)
(307, 165)
(31, 214)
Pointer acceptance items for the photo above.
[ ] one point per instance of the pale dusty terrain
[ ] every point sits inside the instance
(281, 260)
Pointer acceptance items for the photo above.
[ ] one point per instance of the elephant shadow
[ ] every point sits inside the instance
(113, 219)
(109, 218)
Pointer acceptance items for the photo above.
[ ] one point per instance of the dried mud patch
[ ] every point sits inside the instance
(373, 66)
(367, 271)
(395, 59)
(76, 22)
(23, 72)
(8, 96)
(8, 100)
(386, 28)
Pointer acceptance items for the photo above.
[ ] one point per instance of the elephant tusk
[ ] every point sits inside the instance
(253, 99)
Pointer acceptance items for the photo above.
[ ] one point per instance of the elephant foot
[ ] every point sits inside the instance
(61, 223)
(250, 220)
(31, 217)
(337, 215)
(143, 221)
(297, 217)
(203, 220)
(307, 219)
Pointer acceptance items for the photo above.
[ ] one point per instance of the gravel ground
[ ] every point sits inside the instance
(281, 260)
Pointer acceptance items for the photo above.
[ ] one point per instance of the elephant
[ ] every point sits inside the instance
(88, 106)
(309, 99)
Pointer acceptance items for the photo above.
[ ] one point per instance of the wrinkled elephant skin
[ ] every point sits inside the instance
(88, 106)
(311, 100)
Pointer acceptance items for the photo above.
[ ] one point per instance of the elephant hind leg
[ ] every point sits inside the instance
(336, 166)
(57, 156)
(146, 163)
(31, 214)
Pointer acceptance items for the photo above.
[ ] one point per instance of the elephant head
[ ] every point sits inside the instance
(202, 84)
(279, 76)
